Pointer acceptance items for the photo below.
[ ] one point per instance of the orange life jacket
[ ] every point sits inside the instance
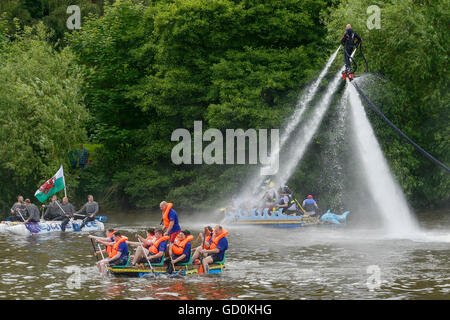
(207, 238)
(216, 239)
(115, 246)
(178, 246)
(154, 246)
(166, 215)
(109, 248)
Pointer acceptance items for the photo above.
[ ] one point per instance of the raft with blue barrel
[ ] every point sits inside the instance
(280, 220)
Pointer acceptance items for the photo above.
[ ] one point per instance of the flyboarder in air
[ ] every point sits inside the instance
(349, 39)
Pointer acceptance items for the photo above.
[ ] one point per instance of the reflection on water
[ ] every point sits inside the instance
(262, 263)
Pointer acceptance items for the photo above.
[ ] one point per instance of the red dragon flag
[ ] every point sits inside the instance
(51, 186)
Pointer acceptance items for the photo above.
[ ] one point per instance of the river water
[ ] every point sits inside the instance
(262, 263)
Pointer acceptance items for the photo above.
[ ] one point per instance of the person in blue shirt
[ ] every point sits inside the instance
(183, 247)
(118, 255)
(217, 248)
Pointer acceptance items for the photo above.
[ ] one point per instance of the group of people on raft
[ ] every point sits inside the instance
(282, 199)
(25, 211)
(169, 243)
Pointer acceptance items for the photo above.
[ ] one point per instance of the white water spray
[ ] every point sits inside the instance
(389, 197)
(293, 122)
(309, 130)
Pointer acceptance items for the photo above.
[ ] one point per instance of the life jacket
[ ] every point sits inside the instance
(207, 238)
(115, 246)
(309, 205)
(166, 215)
(109, 248)
(154, 247)
(216, 239)
(178, 246)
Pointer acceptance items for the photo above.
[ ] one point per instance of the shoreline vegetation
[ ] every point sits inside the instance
(138, 70)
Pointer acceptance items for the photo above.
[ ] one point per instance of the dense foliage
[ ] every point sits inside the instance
(142, 69)
(42, 113)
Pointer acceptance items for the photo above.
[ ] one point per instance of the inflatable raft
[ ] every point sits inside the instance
(280, 220)
(26, 229)
(160, 269)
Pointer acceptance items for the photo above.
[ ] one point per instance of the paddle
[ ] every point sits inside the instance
(75, 226)
(93, 247)
(18, 210)
(143, 251)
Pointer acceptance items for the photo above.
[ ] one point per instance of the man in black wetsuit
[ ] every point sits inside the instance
(349, 39)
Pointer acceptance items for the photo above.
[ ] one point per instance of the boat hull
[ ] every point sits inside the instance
(53, 226)
(273, 219)
(142, 271)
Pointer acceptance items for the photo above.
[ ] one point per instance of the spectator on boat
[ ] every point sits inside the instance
(206, 241)
(68, 211)
(181, 249)
(52, 210)
(271, 197)
(170, 219)
(15, 209)
(118, 255)
(32, 212)
(90, 208)
(146, 242)
(310, 206)
(219, 244)
(155, 251)
(287, 202)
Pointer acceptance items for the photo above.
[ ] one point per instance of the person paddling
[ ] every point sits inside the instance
(146, 243)
(32, 212)
(155, 251)
(52, 210)
(118, 255)
(181, 249)
(90, 208)
(108, 239)
(219, 244)
(68, 211)
(20, 204)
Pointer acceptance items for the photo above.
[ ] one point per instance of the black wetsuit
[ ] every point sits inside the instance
(348, 41)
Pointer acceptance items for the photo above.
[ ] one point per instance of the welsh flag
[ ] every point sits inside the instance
(51, 186)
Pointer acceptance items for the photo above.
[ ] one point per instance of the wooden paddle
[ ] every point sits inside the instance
(143, 251)
(93, 246)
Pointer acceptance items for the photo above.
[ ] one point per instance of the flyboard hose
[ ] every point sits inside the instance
(404, 136)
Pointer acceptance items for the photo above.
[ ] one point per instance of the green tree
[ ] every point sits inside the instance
(42, 114)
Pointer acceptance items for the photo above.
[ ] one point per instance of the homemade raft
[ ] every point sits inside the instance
(26, 229)
(184, 269)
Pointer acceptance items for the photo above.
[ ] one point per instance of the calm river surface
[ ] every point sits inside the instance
(262, 263)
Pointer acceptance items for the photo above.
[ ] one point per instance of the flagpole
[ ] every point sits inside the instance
(64, 179)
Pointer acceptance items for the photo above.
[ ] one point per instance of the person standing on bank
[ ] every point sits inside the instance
(90, 208)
